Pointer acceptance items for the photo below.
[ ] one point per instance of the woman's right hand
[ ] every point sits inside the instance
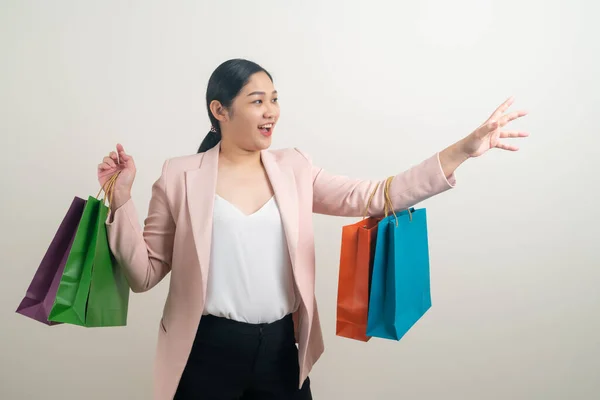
(110, 165)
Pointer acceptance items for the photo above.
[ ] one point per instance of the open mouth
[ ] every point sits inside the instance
(266, 129)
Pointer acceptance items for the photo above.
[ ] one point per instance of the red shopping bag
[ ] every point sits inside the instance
(354, 280)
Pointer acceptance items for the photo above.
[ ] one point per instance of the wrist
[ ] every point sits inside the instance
(120, 198)
(452, 157)
(461, 150)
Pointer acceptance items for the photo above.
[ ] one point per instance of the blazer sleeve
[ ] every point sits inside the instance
(339, 195)
(145, 253)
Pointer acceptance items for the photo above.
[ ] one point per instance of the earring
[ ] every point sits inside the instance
(213, 129)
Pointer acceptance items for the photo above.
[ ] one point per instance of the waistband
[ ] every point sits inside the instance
(211, 322)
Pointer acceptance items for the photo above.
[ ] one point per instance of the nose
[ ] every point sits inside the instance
(270, 111)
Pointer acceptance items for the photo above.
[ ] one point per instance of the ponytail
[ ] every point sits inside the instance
(210, 140)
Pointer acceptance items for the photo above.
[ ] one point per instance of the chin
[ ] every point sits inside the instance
(263, 143)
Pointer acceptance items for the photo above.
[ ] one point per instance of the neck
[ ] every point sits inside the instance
(233, 155)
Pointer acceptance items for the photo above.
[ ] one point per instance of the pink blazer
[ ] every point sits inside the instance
(176, 238)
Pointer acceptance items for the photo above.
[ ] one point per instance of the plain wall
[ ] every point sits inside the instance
(367, 89)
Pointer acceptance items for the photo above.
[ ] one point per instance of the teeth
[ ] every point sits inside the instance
(266, 126)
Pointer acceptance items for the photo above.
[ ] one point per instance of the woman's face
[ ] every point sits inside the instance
(250, 121)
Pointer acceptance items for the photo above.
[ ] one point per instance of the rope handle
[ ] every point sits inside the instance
(109, 189)
(388, 205)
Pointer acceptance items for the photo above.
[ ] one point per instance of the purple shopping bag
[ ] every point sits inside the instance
(41, 293)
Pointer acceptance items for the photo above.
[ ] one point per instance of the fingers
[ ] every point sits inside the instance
(121, 150)
(110, 160)
(117, 157)
(505, 146)
(509, 135)
(511, 117)
(124, 157)
(498, 114)
(488, 127)
(105, 169)
(494, 124)
(513, 134)
(113, 161)
(502, 108)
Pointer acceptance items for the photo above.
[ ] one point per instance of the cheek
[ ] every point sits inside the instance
(277, 113)
(244, 119)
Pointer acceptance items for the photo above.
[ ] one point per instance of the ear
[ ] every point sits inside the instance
(219, 112)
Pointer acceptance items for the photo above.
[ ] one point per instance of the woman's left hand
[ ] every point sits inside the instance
(488, 135)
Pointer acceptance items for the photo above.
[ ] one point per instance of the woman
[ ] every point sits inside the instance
(233, 225)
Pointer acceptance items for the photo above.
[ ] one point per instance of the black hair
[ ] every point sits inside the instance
(224, 85)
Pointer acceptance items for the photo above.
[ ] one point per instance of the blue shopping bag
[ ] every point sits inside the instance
(400, 286)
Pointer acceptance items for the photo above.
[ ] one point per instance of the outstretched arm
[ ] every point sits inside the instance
(342, 196)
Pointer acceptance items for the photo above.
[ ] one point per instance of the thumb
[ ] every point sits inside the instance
(123, 156)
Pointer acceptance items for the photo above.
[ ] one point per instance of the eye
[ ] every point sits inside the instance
(275, 100)
(257, 102)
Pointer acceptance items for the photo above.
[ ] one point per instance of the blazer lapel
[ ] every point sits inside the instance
(284, 186)
(201, 186)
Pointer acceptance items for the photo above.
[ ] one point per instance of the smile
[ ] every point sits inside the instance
(266, 129)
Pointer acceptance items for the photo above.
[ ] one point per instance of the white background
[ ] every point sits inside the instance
(367, 89)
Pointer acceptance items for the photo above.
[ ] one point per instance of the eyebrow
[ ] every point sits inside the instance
(260, 93)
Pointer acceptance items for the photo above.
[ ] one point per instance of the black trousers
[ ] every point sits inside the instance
(234, 360)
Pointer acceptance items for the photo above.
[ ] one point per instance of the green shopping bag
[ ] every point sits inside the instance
(93, 290)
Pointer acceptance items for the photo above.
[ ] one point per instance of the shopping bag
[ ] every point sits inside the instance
(354, 277)
(400, 289)
(93, 291)
(108, 300)
(40, 295)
